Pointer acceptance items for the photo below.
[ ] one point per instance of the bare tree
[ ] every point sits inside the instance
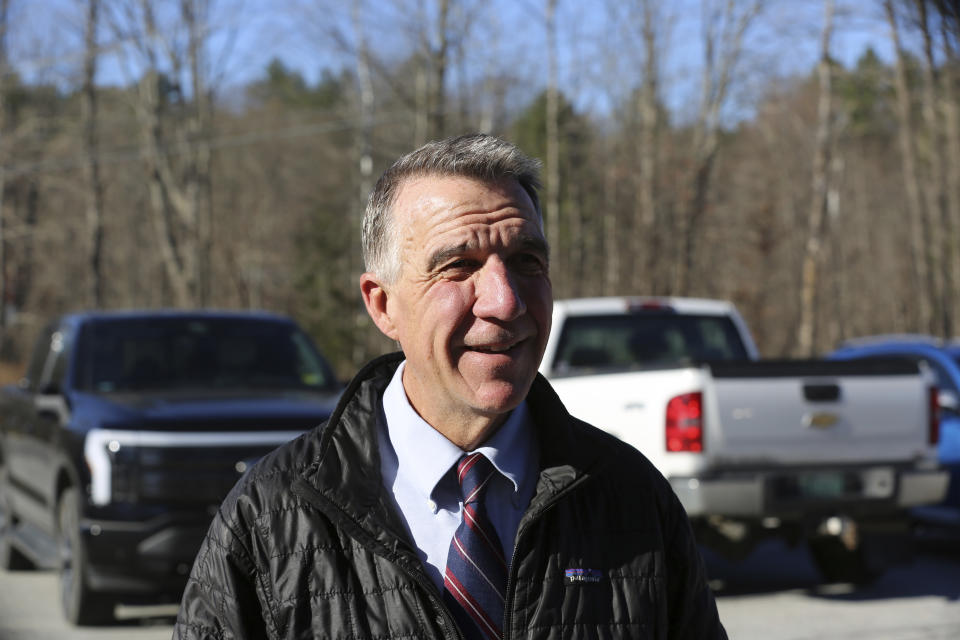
(94, 182)
(552, 204)
(724, 30)
(611, 224)
(174, 112)
(632, 218)
(4, 75)
(949, 19)
(364, 130)
(656, 197)
(649, 151)
(920, 232)
(936, 188)
(439, 62)
(817, 217)
(199, 126)
(430, 81)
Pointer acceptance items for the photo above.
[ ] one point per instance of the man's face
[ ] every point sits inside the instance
(471, 307)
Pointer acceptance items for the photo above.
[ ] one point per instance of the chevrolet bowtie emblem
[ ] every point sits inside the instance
(820, 420)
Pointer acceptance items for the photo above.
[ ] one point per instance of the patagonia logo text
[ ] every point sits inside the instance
(577, 576)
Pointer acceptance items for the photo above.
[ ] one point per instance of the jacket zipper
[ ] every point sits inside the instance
(547, 506)
(308, 493)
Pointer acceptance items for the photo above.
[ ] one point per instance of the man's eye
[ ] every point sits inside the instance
(530, 261)
(458, 265)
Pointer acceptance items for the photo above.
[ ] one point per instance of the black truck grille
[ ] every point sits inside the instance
(180, 475)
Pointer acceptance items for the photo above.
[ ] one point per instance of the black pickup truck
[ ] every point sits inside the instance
(127, 432)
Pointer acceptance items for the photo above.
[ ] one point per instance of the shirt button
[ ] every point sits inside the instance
(432, 505)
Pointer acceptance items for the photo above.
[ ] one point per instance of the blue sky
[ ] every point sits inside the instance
(45, 42)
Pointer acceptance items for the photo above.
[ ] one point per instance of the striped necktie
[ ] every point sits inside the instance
(476, 574)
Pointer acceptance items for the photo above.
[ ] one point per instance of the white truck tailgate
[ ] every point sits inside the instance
(816, 413)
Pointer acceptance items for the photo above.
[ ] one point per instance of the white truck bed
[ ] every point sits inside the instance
(791, 442)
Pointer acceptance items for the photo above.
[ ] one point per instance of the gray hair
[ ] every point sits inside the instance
(480, 156)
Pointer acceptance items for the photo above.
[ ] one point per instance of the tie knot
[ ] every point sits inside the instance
(474, 472)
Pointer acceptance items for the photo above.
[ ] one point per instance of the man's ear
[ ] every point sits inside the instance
(375, 298)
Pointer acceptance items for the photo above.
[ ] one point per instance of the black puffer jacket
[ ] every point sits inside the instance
(307, 546)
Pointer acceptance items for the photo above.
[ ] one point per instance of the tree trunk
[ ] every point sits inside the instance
(817, 218)
(552, 204)
(578, 278)
(649, 157)
(365, 167)
(170, 207)
(430, 88)
(199, 130)
(439, 63)
(94, 183)
(919, 229)
(936, 185)
(175, 258)
(421, 122)
(722, 45)
(951, 115)
(176, 149)
(611, 228)
(4, 284)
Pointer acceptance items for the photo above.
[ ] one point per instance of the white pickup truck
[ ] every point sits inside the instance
(824, 452)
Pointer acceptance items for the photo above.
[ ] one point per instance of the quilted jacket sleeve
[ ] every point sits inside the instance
(221, 600)
(692, 610)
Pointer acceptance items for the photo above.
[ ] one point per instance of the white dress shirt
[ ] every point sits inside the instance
(416, 464)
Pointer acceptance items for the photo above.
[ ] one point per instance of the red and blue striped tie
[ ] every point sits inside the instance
(476, 573)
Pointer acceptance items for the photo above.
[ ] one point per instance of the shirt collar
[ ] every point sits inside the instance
(510, 447)
(424, 455)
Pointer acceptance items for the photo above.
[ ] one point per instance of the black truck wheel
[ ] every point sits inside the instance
(837, 563)
(10, 558)
(81, 606)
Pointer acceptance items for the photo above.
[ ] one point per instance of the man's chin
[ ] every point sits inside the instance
(499, 397)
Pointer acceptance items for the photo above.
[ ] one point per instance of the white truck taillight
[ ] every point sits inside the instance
(684, 424)
(934, 429)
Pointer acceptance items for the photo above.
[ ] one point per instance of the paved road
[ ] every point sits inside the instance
(776, 594)
(773, 595)
(29, 611)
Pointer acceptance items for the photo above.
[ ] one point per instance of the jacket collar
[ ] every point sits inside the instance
(565, 458)
(346, 474)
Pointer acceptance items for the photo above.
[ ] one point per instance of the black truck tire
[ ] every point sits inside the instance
(10, 558)
(837, 563)
(81, 606)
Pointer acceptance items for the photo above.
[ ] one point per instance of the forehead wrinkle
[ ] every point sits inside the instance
(524, 240)
(467, 222)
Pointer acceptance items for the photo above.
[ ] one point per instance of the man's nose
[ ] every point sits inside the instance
(497, 293)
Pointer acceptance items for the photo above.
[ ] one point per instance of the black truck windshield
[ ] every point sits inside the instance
(645, 340)
(134, 354)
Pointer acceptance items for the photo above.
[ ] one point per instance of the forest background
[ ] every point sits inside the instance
(798, 157)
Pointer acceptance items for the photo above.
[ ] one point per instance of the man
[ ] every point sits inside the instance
(450, 494)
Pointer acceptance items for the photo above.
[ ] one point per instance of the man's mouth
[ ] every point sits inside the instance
(494, 348)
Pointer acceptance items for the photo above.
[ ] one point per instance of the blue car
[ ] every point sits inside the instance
(944, 360)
